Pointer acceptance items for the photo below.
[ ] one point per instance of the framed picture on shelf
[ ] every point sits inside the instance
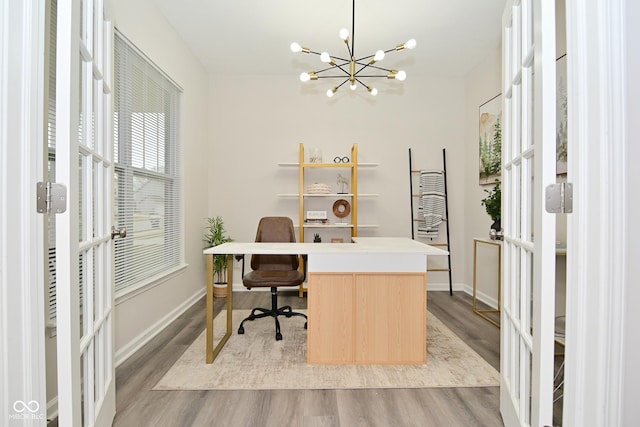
(561, 115)
(490, 140)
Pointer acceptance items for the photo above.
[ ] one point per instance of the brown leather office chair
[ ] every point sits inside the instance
(273, 271)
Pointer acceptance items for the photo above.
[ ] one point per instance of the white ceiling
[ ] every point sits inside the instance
(253, 36)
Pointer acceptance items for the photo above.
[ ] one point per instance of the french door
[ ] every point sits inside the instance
(86, 380)
(528, 299)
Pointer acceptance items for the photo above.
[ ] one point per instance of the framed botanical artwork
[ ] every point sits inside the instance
(561, 115)
(490, 119)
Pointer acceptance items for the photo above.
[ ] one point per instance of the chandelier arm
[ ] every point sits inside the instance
(362, 68)
(333, 77)
(339, 66)
(373, 66)
(360, 81)
(369, 76)
(371, 56)
(345, 60)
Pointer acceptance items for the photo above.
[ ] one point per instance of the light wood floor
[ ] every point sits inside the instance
(138, 405)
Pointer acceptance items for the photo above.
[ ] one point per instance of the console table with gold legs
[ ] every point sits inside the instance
(483, 312)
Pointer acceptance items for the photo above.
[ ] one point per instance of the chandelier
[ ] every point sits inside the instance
(354, 69)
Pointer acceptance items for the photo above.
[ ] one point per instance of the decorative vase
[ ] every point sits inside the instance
(495, 232)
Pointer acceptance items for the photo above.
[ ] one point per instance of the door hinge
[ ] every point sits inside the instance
(51, 197)
(559, 198)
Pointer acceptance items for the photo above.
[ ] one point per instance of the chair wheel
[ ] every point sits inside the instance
(305, 325)
(241, 330)
(278, 336)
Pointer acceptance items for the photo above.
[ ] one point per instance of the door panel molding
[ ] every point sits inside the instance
(596, 261)
(22, 307)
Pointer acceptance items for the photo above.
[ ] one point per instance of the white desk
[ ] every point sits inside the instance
(377, 266)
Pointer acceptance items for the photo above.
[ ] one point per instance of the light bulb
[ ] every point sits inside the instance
(325, 57)
(401, 75)
(373, 91)
(379, 56)
(410, 44)
(344, 34)
(353, 86)
(295, 47)
(330, 93)
(305, 77)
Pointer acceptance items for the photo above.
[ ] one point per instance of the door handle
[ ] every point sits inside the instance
(120, 232)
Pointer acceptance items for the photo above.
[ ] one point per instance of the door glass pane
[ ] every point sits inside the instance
(516, 285)
(82, 275)
(516, 364)
(95, 170)
(95, 283)
(527, 386)
(82, 223)
(528, 315)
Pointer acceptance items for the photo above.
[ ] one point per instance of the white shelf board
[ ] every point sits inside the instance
(327, 195)
(335, 165)
(333, 225)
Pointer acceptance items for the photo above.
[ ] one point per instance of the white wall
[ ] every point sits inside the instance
(141, 22)
(481, 85)
(257, 121)
(631, 386)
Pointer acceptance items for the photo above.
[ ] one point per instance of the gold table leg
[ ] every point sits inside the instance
(211, 351)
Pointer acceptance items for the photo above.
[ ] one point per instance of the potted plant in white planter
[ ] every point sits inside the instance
(493, 205)
(217, 235)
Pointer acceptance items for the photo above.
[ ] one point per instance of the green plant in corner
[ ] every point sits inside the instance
(217, 235)
(493, 204)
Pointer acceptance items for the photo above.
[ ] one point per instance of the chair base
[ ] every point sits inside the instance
(259, 312)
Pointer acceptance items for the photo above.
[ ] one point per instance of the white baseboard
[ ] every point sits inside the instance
(482, 297)
(444, 286)
(136, 344)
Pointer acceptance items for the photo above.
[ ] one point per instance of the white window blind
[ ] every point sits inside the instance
(147, 169)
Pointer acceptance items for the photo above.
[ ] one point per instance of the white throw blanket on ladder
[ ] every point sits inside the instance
(431, 205)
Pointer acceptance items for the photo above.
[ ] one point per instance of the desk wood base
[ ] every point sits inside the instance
(367, 318)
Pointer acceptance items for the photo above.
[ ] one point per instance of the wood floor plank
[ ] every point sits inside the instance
(138, 405)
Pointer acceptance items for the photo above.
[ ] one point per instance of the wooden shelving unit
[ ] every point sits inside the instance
(305, 199)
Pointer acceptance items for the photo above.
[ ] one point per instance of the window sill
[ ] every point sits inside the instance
(134, 291)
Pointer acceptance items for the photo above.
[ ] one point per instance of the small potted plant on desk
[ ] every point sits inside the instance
(493, 205)
(216, 235)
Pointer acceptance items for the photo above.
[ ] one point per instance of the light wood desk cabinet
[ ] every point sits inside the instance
(367, 318)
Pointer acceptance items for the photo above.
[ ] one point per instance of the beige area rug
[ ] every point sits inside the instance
(256, 361)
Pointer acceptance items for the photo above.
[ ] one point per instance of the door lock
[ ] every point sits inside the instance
(120, 232)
